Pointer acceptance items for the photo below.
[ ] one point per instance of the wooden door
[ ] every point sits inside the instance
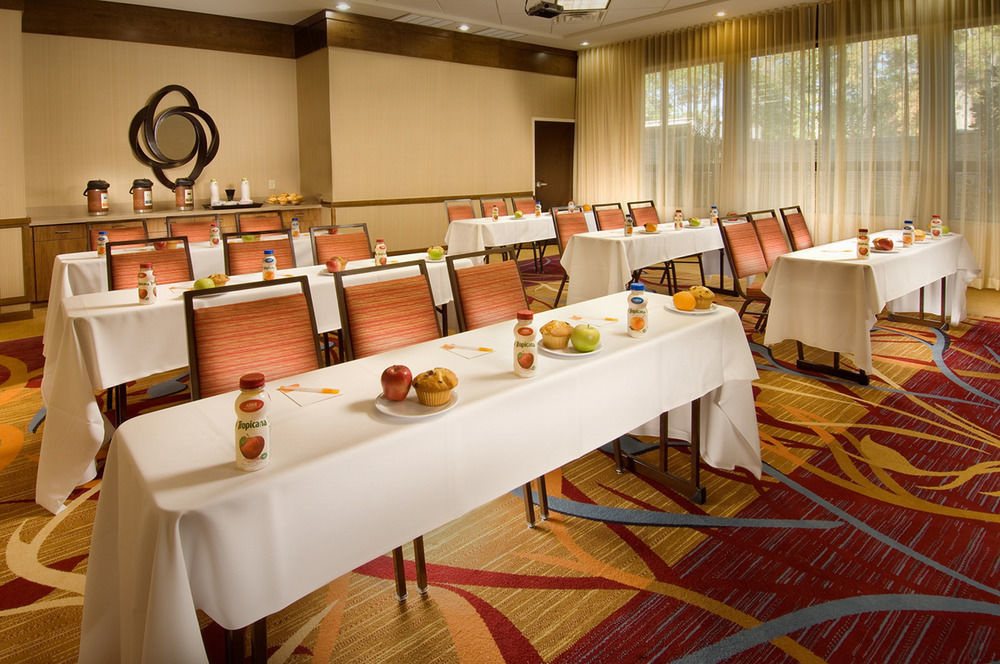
(554, 162)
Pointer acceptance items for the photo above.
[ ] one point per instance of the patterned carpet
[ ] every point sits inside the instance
(872, 536)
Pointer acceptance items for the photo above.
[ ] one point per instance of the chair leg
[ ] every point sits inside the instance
(619, 464)
(543, 499)
(258, 642)
(399, 573)
(421, 563)
(529, 505)
(701, 269)
(562, 284)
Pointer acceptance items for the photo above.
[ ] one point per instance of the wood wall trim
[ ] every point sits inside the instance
(420, 201)
(151, 25)
(329, 28)
(16, 5)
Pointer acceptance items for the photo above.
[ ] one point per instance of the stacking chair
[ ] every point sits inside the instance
(644, 212)
(795, 226)
(567, 224)
(459, 208)
(609, 216)
(746, 260)
(769, 234)
(376, 316)
(485, 294)
(195, 229)
(243, 257)
(526, 204)
(348, 241)
(261, 221)
(487, 206)
(171, 263)
(117, 231)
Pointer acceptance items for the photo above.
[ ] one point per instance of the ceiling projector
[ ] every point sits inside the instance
(544, 9)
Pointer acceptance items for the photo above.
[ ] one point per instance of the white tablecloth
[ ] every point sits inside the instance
(827, 298)
(602, 262)
(468, 235)
(178, 527)
(98, 340)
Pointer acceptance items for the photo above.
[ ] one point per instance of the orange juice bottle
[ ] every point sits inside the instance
(638, 311)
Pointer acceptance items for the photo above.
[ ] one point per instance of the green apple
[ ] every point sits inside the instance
(204, 283)
(585, 337)
(249, 238)
(694, 221)
(435, 253)
(518, 214)
(945, 230)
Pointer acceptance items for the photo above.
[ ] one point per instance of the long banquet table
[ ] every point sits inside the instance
(826, 298)
(179, 528)
(96, 341)
(467, 235)
(602, 262)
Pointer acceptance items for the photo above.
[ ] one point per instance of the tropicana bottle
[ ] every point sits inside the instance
(525, 346)
(253, 431)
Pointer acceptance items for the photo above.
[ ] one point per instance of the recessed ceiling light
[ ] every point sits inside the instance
(463, 27)
(720, 14)
(584, 43)
(343, 6)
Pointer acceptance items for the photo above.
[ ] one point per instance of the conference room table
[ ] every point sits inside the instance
(96, 341)
(179, 528)
(602, 262)
(467, 235)
(827, 298)
(86, 272)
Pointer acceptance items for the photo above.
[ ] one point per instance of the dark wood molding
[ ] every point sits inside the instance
(12, 4)
(419, 201)
(151, 25)
(329, 28)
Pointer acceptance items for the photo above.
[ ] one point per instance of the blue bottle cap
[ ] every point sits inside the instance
(269, 252)
(638, 287)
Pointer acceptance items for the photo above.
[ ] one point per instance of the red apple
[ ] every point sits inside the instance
(396, 382)
(336, 264)
(883, 243)
(159, 246)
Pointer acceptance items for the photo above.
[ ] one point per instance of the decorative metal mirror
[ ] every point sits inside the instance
(174, 136)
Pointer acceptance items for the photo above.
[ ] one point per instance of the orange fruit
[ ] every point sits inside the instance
(650, 227)
(636, 323)
(684, 300)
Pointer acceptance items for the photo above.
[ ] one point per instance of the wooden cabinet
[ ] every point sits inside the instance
(49, 242)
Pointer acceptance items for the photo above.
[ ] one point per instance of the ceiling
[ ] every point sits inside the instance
(504, 19)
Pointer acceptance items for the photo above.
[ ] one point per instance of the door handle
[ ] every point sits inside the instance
(539, 183)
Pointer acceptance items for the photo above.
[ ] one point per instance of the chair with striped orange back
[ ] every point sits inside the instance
(487, 206)
(195, 229)
(609, 216)
(257, 222)
(524, 204)
(567, 224)
(385, 307)
(643, 212)
(349, 241)
(169, 256)
(261, 326)
(795, 226)
(459, 208)
(746, 260)
(485, 293)
(769, 234)
(117, 231)
(244, 253)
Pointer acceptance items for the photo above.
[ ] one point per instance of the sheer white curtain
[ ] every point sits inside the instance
(864, 112)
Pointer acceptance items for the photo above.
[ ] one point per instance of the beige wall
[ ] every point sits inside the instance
(408, 127)
(80, 96)
(11, 117)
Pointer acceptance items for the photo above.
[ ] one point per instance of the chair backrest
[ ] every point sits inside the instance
(488, 203)
(261, 221)
(244, 256)
(348, 241)
(396, 310)
(265, 326)
(609, 216)
(117, 231)
(170, 257)
(795, 226)
(769, 234)
(526, 204)
(643, 212)
(567, 225)
(742, 250)
(459, 208)
(195, 229)
(486, 293)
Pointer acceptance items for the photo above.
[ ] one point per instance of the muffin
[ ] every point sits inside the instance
(434, 386)
(555, 334)
(219, 279)
(703, 297)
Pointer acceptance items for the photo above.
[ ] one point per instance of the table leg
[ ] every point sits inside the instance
(529, 505)
(421, 563)
(258, 642)
(543, 499)
(858, 376)
(235, 646)
(922, 318)
(399, 573)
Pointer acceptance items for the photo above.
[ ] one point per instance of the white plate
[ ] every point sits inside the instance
(410, 407)
(325, 273)
(428, 259)
(669, 306)
(894, 250)
(569, 351)
(656, 232)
